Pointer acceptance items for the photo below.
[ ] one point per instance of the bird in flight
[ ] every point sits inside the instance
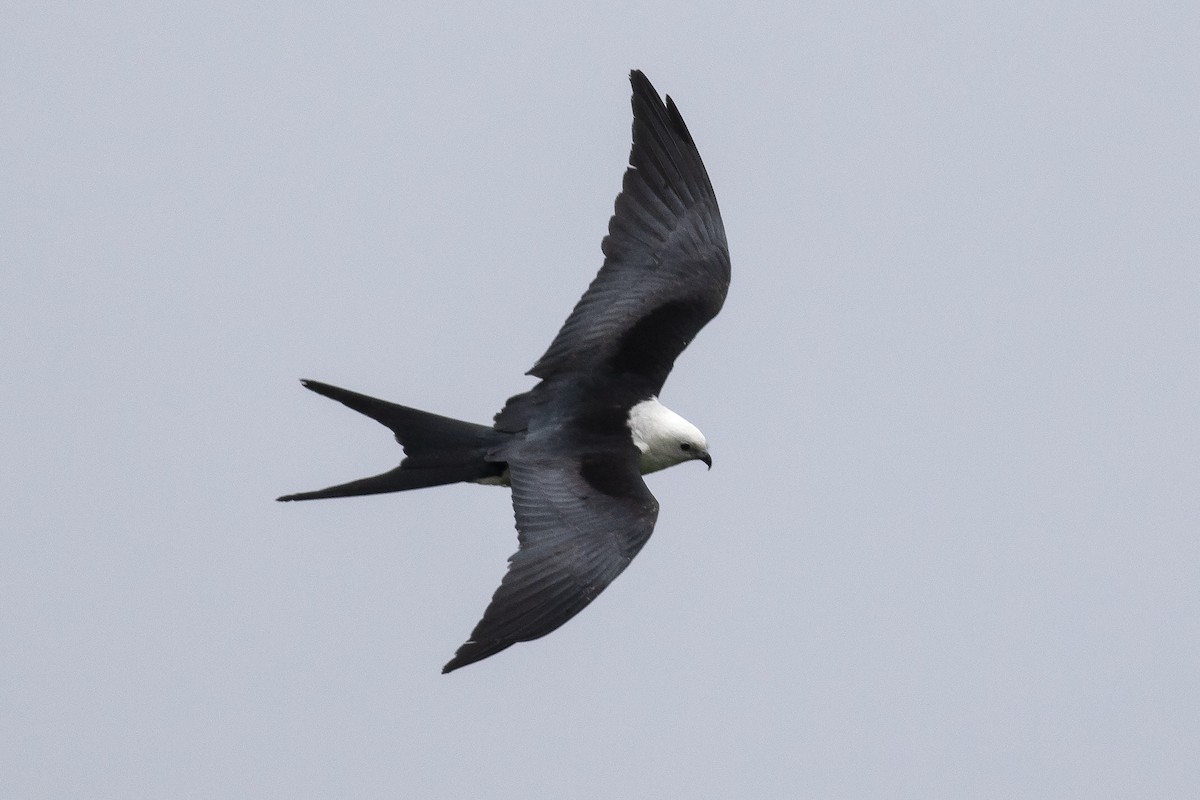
(574, 448)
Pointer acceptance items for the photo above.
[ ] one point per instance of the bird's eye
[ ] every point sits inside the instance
(685, 446)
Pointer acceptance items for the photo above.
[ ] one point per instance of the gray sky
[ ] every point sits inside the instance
(950, 544)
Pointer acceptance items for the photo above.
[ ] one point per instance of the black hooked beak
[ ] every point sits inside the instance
(705, 457)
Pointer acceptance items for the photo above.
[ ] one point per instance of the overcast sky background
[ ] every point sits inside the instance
(950, 543)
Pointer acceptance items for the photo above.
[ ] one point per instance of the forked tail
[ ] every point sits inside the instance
(438, 449)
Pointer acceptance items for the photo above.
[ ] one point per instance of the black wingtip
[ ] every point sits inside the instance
(472, 652)
(460, 660)
(643, 87)
(288, 498)
(455, 663)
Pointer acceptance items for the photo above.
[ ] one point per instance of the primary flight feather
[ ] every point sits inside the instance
(575, 446)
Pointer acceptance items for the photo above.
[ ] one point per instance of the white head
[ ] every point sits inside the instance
(664, 437)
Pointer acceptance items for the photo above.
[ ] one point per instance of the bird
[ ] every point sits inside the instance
(573, 449)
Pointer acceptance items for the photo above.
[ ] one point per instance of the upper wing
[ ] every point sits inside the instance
(580, 521)
(666, 262)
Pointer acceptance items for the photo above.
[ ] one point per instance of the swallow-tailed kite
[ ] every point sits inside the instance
(574, 447)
